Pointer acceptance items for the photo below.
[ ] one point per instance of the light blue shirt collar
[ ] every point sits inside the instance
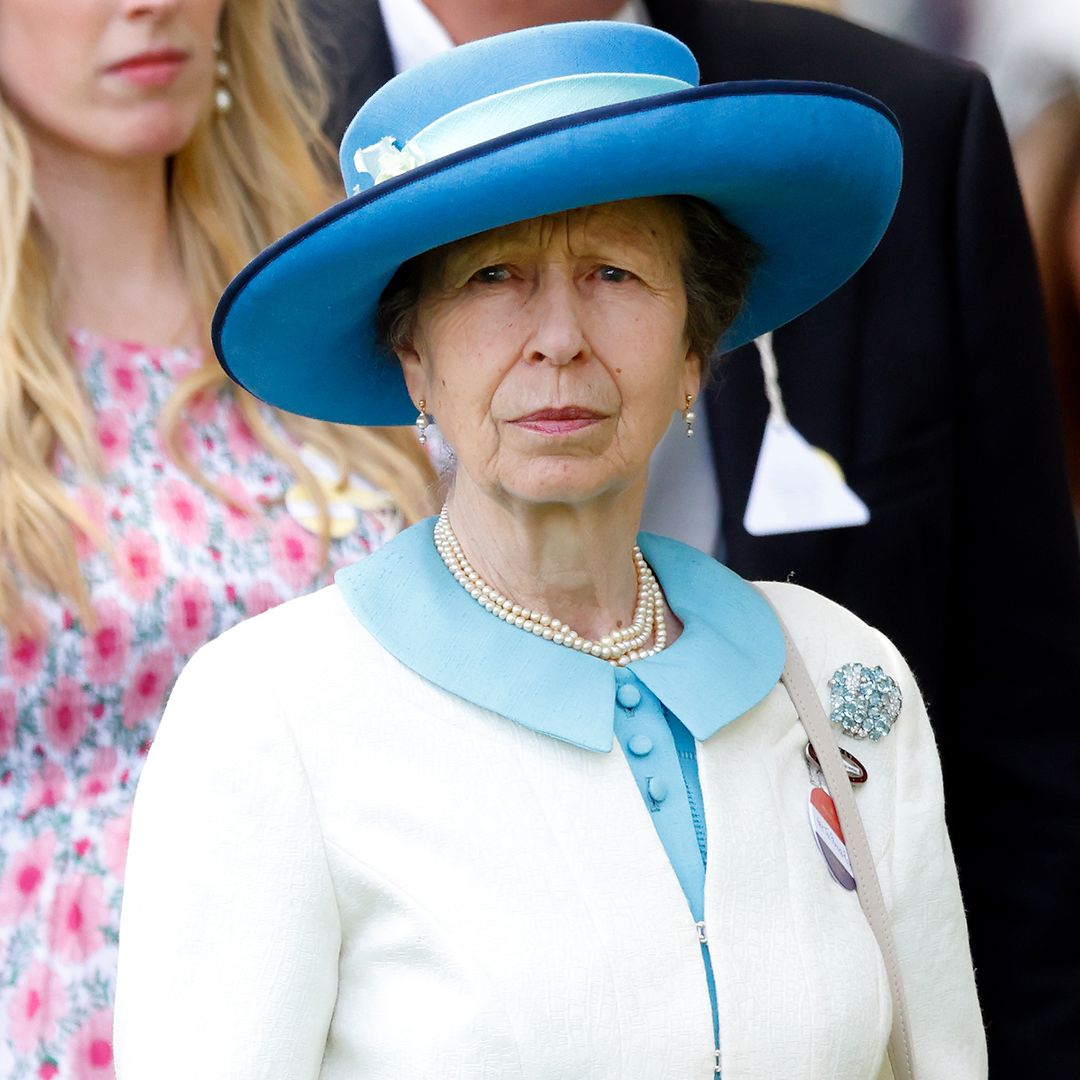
(727, 659)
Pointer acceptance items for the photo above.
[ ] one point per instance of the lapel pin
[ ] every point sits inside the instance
(864, 702)
(856, 770)
(829, 837)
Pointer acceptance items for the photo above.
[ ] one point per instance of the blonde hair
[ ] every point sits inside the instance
(244, 178)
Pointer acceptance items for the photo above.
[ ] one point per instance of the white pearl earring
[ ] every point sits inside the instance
(223, 98)
(422, 422)
(689, 417)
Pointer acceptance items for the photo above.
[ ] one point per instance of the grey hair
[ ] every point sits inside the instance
(718, 264)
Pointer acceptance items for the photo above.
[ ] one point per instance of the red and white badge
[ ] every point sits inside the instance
(825, 825)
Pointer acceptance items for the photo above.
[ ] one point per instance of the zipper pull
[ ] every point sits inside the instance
(701, 935)
(716, 1071)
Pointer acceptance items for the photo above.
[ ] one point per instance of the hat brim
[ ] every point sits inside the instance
(809, 171)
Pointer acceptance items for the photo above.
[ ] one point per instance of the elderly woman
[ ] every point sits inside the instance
(522, 794)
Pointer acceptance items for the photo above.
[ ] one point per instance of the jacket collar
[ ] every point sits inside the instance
(727, 659)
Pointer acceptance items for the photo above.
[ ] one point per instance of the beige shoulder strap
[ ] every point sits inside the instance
(800, 687)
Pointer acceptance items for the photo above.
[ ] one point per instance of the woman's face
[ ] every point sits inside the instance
(552, 353)
(118, 78)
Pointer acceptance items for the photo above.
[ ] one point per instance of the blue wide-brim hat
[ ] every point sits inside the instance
(536, 122)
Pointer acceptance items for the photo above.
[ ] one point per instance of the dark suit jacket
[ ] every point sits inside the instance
(926, 378)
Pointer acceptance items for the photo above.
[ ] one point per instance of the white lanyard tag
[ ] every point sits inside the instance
(797, 487)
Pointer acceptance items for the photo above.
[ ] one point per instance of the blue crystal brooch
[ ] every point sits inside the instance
(864, 702)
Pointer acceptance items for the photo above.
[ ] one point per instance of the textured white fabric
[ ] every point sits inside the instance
(372, 878)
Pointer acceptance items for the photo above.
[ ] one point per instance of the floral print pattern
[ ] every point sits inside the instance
(79, 704)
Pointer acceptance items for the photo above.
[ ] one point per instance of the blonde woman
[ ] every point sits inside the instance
(148, 149)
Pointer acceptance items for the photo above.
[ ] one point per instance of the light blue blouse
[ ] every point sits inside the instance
(727, 659)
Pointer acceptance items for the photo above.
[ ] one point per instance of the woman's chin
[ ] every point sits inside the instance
(564, 480)
(154, 130)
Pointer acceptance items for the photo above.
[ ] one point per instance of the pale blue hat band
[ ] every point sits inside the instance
(505, 112)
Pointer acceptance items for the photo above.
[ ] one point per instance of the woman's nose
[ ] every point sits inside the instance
(558, 336)
(135, 9)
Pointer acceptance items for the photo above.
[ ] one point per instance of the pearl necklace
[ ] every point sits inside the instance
(620, 647)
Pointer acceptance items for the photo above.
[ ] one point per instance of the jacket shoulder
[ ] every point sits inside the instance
(305, 640)
(828, 635)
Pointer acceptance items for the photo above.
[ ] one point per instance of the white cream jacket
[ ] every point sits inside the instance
(340, 870)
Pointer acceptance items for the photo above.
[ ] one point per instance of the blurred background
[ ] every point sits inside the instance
(1031, 51)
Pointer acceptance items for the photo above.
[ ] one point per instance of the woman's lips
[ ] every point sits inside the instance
(563, 421)
(156, 67)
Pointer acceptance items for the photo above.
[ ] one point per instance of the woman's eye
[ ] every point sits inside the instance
(614, 273)
(491, 275)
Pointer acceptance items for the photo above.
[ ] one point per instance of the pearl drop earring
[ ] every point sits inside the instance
(689, 417)
(223, 98)
(422, 422)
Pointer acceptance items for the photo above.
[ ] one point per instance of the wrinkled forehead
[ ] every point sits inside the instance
(649, 228)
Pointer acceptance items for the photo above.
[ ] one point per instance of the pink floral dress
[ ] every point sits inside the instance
(78, 709)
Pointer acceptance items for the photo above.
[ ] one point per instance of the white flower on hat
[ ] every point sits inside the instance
(385, 159)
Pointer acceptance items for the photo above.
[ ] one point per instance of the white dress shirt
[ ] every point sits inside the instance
(416, 35)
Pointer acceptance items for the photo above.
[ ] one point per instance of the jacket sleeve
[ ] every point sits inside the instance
(902, 808)
(229, 933)
(915, 862)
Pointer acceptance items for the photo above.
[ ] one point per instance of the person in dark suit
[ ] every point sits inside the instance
(926, 378)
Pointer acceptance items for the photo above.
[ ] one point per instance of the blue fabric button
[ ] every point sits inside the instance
(628, 696)
(657, 789)
(639, 745)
